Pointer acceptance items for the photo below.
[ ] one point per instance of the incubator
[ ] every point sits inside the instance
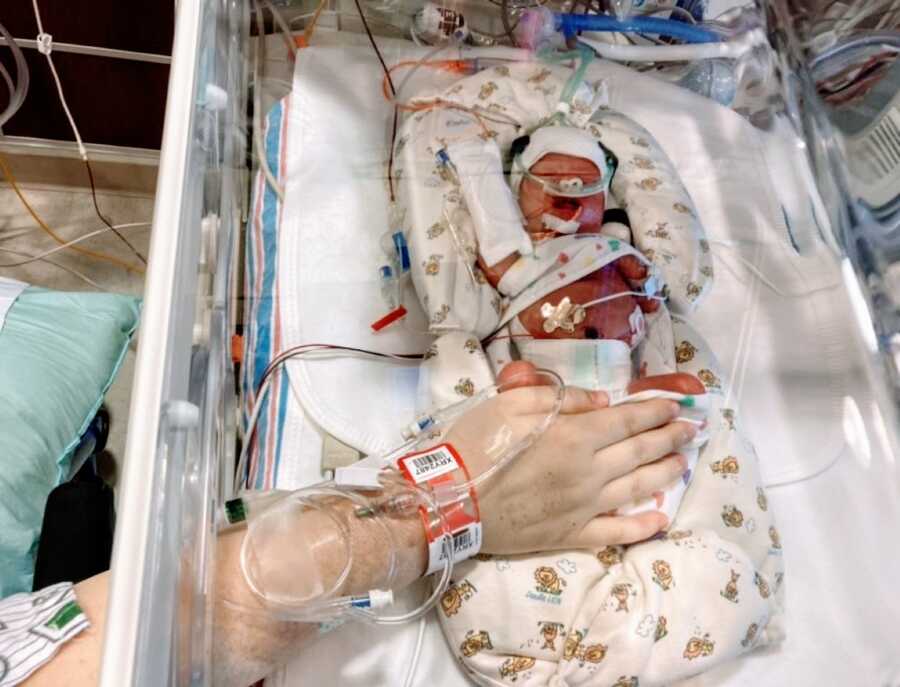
(367, 210)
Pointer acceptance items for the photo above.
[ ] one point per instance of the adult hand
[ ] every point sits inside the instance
(590, 461)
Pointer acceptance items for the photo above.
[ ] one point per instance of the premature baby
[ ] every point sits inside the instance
(571, 293)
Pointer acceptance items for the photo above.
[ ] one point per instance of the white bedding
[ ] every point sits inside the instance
(793, 361)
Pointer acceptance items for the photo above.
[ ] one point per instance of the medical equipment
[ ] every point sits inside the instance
(297, 271)
(19, 89)
(435, 24)
(310, 596)
(539, 26)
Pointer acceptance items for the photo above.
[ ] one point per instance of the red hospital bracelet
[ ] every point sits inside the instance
(434, 467)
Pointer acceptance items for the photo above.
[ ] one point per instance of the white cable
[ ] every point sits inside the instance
(730, 49)
(621, 294)
(261, 152)
(9, 235)
(33, 258)
(417, 652)
(45, 47)
(67, 244)
(240, 480)
(278, 361)
(283, 25)
(763, 278)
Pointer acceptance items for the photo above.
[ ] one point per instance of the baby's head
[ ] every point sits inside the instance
(560, 175)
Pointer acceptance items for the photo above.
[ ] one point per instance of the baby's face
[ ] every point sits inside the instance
(534, 201)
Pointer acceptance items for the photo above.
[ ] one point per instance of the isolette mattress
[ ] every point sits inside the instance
(792, 388)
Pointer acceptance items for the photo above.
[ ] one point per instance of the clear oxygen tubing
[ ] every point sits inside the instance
(18, 90)
(326, 605)
(583, 54)
(733, 48)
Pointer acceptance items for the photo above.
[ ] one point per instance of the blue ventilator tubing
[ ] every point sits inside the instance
(571, 24)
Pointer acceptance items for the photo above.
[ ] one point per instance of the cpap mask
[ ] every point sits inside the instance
(564, 140)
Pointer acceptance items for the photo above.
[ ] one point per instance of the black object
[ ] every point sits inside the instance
(616, 215)
(519, 145)
(79, 518)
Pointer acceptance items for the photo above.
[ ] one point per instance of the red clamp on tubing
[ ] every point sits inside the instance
(389, 319)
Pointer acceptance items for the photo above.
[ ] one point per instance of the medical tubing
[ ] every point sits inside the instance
(447, 545)
(888, 39)
(73, 242)
(517, 449)
(622, 294)
(323, 606)
(730, 49)
(300, 496)
(20, 90)
(395, 97)
(278, 18)
(571, 24)
(583, 54)
(84, 278)
(261, 151)
(10, 177)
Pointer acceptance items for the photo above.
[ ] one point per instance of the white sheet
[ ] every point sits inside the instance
(792, 360)
(9, 292)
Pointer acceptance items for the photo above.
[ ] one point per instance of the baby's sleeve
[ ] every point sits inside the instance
(453, 291)
(703, 593)
(665, 224)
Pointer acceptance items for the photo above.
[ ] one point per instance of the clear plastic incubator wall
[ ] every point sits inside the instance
(375, 219)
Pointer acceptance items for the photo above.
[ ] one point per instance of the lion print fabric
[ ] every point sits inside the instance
(702, 593)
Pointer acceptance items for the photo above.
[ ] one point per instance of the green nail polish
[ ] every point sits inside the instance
(687, 402)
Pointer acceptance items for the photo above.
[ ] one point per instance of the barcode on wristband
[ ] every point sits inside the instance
(466, 543)
(432, 463)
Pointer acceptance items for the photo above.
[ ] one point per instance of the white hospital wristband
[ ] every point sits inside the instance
(33, 627)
